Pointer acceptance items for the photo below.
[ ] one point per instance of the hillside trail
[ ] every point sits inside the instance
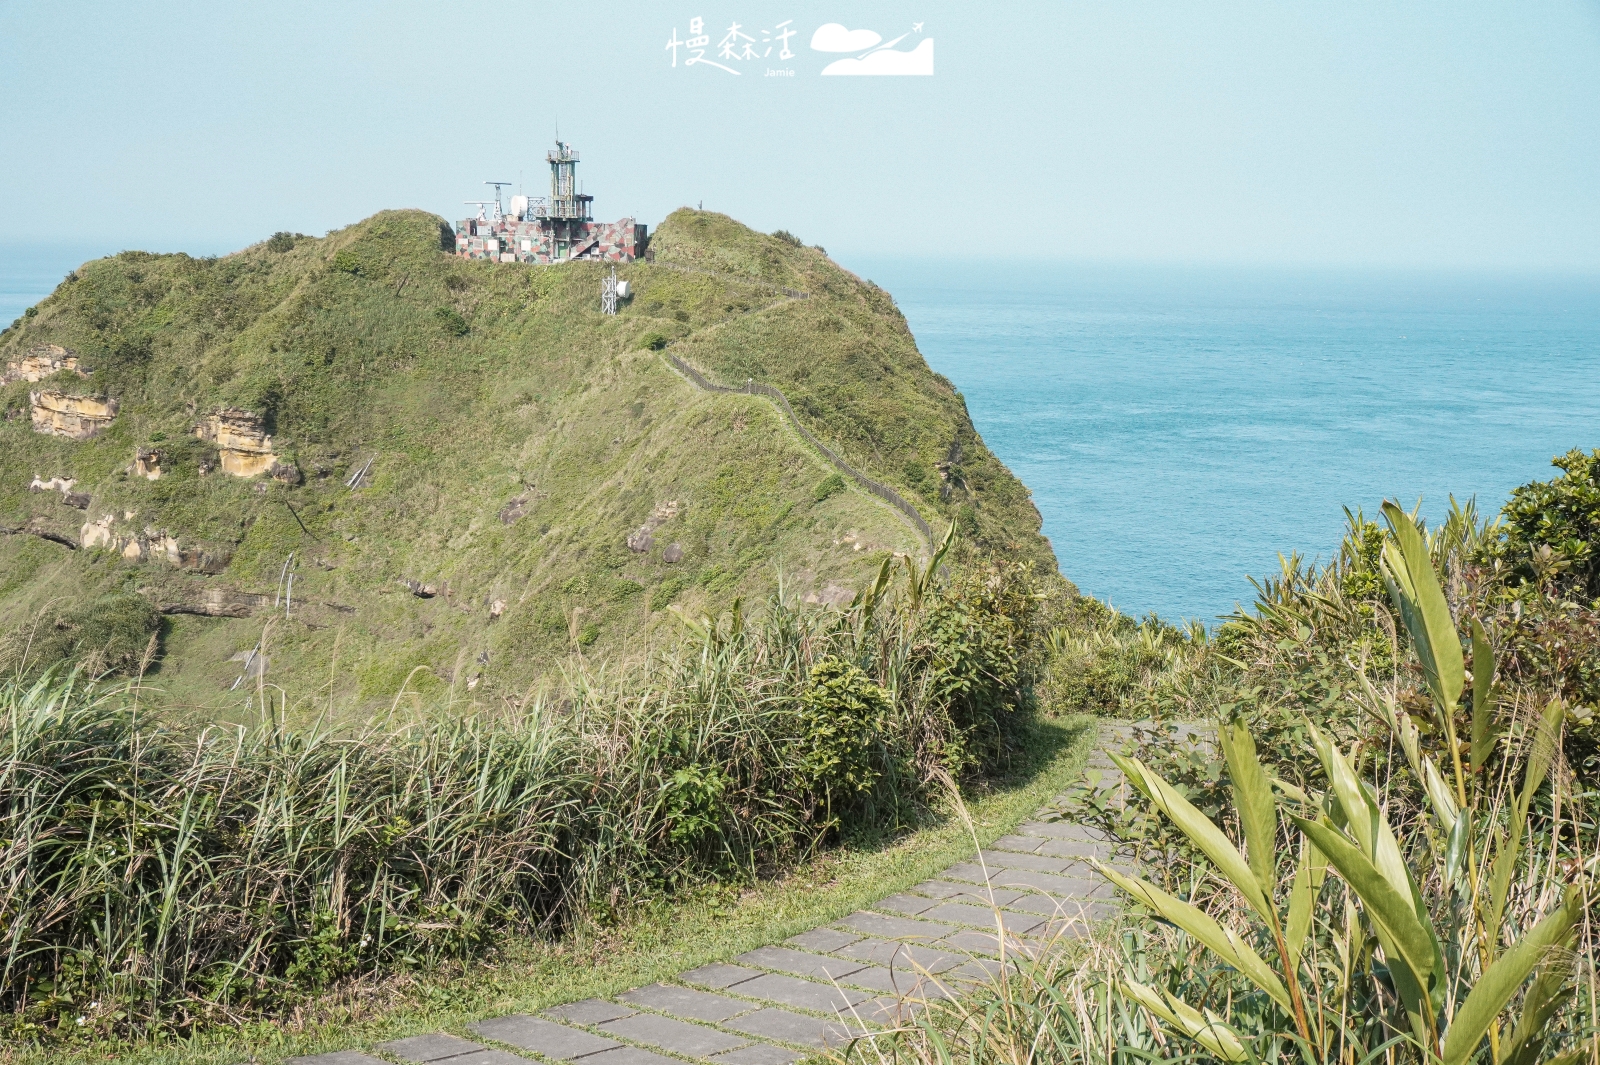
(840, 981)
(904, 511)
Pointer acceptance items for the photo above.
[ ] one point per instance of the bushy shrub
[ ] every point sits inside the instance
(653, 341)
(787, 237)
(346, 261)
(282, 241)
(830, 485)
(1550, 534)
(451, 321)
(843, 717)
(109, 635)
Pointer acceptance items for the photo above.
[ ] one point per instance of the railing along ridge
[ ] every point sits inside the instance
(876, 487)
(792, 293)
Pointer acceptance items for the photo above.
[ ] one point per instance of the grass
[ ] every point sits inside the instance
(713, 923)
(543, 410)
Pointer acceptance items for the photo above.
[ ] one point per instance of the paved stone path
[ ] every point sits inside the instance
(822, 988)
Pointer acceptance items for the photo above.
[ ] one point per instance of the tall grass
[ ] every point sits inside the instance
(159, 870)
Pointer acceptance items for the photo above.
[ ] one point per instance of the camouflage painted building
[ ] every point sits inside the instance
(554, 230)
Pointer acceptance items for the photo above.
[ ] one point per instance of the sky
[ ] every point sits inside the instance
(1415, 135)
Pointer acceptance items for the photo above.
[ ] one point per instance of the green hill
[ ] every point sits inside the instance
(539, 480)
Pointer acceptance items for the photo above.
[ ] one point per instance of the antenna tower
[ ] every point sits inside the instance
(608, 293)
(498, 213)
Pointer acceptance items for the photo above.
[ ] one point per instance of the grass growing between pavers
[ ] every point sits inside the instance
(521, 976)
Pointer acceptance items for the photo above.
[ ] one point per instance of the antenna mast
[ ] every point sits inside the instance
(498, 213)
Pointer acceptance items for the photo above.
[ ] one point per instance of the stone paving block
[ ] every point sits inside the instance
(908, 957)
(758, 1054)
(1017, 924)
(1075, 848)
(1040, 863)
(786, 1027)
(1045, 905)
(975, 942)
(685, 1002)
(901, 982)
(628, 1056)
(1060, 830)
(587, 1011)
(432, 1047)
(884, 1009)
(487, 1057)
(886, 927)
(910, 905)
(1063, 887)
(1021, 844)
(822, 940)
(800, 963)
(976, 893)
(677, 1037)
(337, 1057)
(718, 975)
(802, 994)
(542, 1037)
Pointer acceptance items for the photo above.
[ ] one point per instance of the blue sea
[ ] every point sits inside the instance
(1180, 428)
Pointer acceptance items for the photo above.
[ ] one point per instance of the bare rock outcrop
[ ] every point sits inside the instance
(643, 538)
(148, 543)
(219, 603)
(241, 440)
(147, 463)
(75, 417)
(41, 362)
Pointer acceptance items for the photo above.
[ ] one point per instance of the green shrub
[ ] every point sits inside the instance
(653, 341)
(588, 635)
(1551, 530)
(109, 635)
(844, 715)
(346, 261)
(451, 321)
(787, 237)
(282, 241)
(830, 485)
(667, 591)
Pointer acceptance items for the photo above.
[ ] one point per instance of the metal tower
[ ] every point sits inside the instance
(608, 293)
(566, 202)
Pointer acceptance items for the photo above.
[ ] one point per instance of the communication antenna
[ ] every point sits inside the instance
(497, 186)
(608, 293)
(480, 205)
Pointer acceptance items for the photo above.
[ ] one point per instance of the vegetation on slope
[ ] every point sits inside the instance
(516, 436)
(162, 869)
(1390, 855)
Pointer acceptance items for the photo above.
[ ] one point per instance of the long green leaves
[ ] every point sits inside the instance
(1420, 601)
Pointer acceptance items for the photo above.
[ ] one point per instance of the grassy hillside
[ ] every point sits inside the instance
(517, 437)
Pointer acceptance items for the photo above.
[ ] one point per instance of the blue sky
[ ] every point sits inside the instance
(1351, 134)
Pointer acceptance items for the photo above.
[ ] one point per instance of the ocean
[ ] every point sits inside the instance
(1180, 428)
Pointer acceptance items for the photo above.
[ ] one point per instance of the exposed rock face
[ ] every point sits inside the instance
(150, 543)
(673, 554)
(243, 443)
(47, 360)
(221, 603)
(643, 538)
(147, 463)
(74, 417)
(54, 484)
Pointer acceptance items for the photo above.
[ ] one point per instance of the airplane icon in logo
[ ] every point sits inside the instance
(916, 27)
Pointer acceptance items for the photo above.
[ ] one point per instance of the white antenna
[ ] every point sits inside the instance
(608, 293)
(497, 186)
